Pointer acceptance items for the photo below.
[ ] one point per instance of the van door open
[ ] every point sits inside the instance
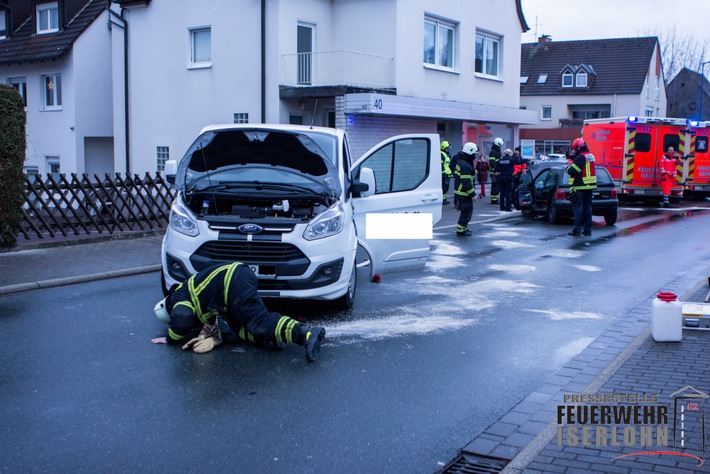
(405, 172)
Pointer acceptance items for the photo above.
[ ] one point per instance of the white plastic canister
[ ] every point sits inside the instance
(667, 319)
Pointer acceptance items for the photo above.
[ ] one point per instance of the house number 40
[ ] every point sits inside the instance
(378, 104)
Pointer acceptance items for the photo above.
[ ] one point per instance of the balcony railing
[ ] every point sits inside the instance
(337, 68)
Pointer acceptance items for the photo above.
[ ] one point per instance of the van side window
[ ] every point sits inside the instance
(399, 166)
(670, 140)
(643, 142)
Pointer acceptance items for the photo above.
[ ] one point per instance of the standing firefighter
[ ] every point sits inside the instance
(464, 188)
(230, 291)
(583, 174)
(668, 166)
(493, 159)
(445, 169)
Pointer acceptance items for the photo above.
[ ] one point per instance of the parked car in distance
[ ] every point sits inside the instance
(557, 157)
(544, 190)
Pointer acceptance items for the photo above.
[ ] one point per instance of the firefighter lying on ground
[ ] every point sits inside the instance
(231, 292)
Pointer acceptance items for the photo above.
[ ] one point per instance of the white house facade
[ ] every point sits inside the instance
(375, 68)
(58, 56)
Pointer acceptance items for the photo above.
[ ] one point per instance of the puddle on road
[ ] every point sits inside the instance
(571, 349)
(588, 268)
(389, 327)
(512, 268)
(559, 315)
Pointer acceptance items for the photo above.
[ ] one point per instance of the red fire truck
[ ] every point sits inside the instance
(697, 177)
(631, 147)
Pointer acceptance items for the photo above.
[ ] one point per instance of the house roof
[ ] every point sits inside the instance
(25, 46)
(620, 65)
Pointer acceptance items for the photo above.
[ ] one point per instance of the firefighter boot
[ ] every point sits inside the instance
(290, 331)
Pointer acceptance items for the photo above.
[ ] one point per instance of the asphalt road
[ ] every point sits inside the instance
(425, 362)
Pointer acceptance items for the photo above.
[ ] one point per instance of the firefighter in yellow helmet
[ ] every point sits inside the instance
(229, 291)
(445, 169)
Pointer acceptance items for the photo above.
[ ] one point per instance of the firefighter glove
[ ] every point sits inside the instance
(206, 345)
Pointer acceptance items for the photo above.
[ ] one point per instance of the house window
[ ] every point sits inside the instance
(487, 54)
(201, 47)
(658, 87)
(52, 91)
(546, 112)
(524, 79)
(53, 166)
(305, 41)
(567, 79)
(439, 42)
(20, 85)
(47, 17)
(3, 25)
(163, 155)
(241, 118)
(648, 87)
(649, 111)
(541, 79)
(581, 79)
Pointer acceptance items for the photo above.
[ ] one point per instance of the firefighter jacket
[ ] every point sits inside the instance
(582, 171)
(669, 165)
(493, 159)
(463, 177)
(199, 299)
(506, 166)
(445, 164)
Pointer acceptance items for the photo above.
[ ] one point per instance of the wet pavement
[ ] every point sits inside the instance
(531, 438)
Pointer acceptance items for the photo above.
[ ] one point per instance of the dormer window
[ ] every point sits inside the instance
(567, 79)
(47, 17)
(581, 79)
(3, 24)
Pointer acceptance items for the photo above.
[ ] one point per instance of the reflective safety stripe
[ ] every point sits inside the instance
(228, 280)
(174, 336)
(245, 335)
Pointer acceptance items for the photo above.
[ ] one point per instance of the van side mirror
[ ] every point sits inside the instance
(170, 171)
(365, 186)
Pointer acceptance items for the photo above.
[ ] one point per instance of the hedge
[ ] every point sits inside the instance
(12, 156)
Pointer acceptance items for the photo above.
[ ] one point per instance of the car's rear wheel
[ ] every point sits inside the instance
(346, 301)
(552, 214)
(610, 217)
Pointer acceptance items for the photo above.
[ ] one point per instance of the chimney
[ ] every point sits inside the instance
(544, 39)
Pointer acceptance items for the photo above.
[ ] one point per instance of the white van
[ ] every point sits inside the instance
(287, 201)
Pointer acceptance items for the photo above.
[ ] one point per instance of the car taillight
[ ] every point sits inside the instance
(613, 194)
(560, 194)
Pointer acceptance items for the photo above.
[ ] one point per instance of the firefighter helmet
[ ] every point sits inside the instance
(470, 148)
(498, 141)
(444, 145)
(577, 143)
(162, 313)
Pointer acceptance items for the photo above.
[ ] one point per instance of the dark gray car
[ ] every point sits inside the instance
(543, 189)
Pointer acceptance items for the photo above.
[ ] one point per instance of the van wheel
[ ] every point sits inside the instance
(552, 214)
(610, 218)
(346, 301)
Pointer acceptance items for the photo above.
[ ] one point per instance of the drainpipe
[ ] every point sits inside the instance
(124, 25)
(263, 61)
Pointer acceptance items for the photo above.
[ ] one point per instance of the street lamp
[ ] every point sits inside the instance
(702, 84)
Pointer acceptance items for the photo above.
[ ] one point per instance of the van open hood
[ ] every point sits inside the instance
(309, 155)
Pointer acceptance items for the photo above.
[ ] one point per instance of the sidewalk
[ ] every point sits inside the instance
(623, 360)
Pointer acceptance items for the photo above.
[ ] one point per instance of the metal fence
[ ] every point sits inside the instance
(56, 206)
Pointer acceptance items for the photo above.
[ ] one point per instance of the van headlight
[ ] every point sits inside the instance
(327, 224)
(182, 221)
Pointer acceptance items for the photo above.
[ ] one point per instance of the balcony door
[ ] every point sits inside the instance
(304, 45)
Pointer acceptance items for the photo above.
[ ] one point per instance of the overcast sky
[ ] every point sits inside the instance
(567, 20)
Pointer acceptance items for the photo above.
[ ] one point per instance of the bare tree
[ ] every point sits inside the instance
(681, 49)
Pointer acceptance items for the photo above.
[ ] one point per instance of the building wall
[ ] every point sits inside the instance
(171, 102)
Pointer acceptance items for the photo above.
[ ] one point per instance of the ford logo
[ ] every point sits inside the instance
(250, 228)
